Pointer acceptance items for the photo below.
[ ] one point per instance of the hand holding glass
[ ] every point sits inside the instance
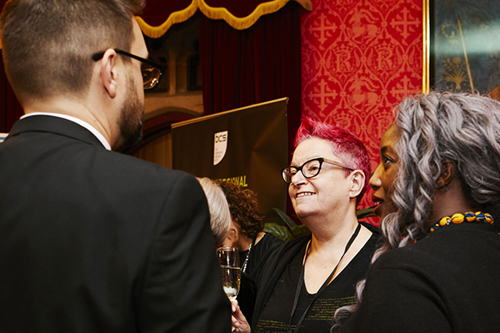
(229, 259)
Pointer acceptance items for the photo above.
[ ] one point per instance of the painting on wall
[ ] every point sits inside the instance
(464, 43)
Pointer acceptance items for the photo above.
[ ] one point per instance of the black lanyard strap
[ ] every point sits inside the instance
(244, 266)
(323, 287)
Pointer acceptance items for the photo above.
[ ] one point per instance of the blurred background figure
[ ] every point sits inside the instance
(245, 234)
(307, 279)
(220, 217)
(247, 223)
(438, 188)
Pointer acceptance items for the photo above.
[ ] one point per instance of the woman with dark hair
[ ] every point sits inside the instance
(307, 279)
(438, 185)
(245, 233)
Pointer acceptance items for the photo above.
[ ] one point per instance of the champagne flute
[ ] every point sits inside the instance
(229, 259)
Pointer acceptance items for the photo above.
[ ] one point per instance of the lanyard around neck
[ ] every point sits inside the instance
(244, 266)
(323, 287)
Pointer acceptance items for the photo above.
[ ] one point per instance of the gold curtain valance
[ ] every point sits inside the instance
(217, 13)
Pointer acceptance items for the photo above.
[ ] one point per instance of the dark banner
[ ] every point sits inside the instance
(246, 146)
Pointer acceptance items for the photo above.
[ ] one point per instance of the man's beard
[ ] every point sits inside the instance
(131, 117)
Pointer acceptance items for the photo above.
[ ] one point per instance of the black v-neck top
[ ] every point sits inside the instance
(275, 315)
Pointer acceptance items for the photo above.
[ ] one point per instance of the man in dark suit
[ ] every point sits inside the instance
(92, 240)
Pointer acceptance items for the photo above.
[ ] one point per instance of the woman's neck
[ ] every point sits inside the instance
(450, 200)
(332, 228)
(324, 255)
(332, 239)
(245, 241)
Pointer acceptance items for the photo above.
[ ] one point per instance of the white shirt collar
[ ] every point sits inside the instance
(80, 122)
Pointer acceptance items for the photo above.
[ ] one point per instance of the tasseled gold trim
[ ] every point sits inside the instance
(218, 13)
(215, 13)
(175, 17)
(306, 4)
(241, 23)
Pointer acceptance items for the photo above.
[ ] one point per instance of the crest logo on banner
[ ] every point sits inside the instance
(252, 159)
(220, 146)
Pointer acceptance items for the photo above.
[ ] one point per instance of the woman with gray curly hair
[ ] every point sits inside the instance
(438, 192)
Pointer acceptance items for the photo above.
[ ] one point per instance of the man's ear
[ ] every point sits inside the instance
(357, 183)
(447, 173)
(108, 72)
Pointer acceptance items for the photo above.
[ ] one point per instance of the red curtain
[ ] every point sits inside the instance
(157, 11)
(240, 67)
(10, 109)
(258, 64)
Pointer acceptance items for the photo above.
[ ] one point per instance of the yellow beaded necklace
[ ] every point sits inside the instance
(459, 218)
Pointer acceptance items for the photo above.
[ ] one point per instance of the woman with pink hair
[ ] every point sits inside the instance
(307, 279)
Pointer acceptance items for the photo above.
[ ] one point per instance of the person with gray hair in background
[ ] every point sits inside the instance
(220, 216)
(438, 189)
(93, 240)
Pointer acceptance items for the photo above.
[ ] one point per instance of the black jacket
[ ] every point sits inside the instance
(97, 241)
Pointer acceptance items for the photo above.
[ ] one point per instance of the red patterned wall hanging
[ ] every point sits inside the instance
(359, 58)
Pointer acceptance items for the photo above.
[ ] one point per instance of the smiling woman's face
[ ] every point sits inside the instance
(324, 193)
(383, 177)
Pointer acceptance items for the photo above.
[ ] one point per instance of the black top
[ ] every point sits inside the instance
(273, 311)
(445, 282)
(259, 254)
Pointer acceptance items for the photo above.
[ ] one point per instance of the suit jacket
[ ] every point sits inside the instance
(96, 241)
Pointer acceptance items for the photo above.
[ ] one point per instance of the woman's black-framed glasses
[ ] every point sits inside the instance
(151, 71)
(309, 169)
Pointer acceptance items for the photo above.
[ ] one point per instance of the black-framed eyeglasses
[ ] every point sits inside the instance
(309, 169)
(151, 71)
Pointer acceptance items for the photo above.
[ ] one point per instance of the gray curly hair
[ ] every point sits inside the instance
(435, 127)
(432, 128)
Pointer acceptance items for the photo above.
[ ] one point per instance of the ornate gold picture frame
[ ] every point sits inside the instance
(461, 46)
